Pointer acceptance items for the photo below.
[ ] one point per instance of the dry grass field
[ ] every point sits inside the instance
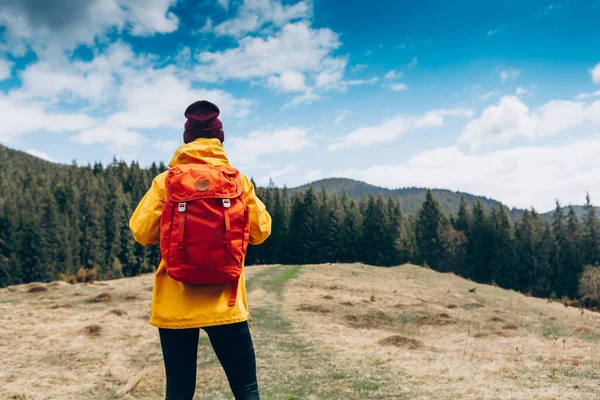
(321, 332)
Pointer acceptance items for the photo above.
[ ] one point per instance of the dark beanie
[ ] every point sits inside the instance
(203, 122)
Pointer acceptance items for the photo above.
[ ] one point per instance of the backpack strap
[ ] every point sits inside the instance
(233, 298)
(227, 205)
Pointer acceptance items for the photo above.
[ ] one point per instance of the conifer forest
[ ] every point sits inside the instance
(67, 221)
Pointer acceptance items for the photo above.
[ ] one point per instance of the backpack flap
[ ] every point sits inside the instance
(189, 182)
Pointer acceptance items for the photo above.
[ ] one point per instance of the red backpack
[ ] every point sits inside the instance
(205, 226)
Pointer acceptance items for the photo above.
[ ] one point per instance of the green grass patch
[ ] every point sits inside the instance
(549, 329)
(366, 386)
(472, 306)
(287, 274)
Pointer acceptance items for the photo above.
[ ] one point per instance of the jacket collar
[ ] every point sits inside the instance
(201, 151)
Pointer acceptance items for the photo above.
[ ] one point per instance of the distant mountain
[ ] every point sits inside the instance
(413, 197)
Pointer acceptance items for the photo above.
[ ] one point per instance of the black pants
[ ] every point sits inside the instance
(233, 347)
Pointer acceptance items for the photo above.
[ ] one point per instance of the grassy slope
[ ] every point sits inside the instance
(321, 332)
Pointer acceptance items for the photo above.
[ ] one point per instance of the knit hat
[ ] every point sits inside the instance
(203, 122)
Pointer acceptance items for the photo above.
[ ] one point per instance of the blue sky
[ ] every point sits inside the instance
(496, 98)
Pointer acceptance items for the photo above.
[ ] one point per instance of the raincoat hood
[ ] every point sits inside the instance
(201, 151)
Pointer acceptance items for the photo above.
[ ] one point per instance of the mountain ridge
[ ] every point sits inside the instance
(411, 197)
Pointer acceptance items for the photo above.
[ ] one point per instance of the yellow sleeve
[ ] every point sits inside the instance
(145, 222)
(260, 220)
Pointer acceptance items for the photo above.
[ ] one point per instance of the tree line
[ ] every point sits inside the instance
(64, 222)
(56, 220)
(536, 255)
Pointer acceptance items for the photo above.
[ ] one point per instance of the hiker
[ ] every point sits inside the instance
(203, 212)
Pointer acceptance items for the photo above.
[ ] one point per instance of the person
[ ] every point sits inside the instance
(179, 310)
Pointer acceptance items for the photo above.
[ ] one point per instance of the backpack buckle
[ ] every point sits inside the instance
(182, 207)
(226, 203)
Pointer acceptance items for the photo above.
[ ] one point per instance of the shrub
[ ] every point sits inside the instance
(589, 283)
(82, 275)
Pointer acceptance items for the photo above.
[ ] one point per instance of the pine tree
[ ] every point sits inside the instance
(462, 226)
(591, 234)
(480, 245)
(572, 259)
(502, 249)
(303, 240)
(350, 241)
(430, 221)
(377, 243)
(53, 258)
(92, 244)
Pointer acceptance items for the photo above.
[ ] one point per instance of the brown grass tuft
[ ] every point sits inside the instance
(436, 320)
(482, 335)
(451, 306)
(511, 327)
(92, 330)
(131, 298)
(402, 342)
(37, 289)
(311, 308)
(496, 319)
(328, 297)
(101, 298)
(57, 306)
(348, 303)
(377, 319)
(117, 312)
(582, 329)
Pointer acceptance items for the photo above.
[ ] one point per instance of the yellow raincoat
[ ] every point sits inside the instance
(176, 305)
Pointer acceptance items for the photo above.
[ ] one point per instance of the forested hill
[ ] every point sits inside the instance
(411, 198)
(71, 222)
(57, 219)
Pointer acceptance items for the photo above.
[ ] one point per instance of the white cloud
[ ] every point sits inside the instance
(493, 32)
(94, 80)
(524, 91)
(595, 74)
(520, 177)
(392, 75)
(585, 96)
(168, 146)
(19, 118)
(398, 87)
(5, 69)
(395, 127)
(157, 98)
(340, 117)
(306, 98)
(296, 48)
(41, 154)
(507, 74)
(124, 143)
(224, 4)
(57, 25)
(247, 149)
(492, 93)
(254, 15)
(359, 67)
(413, 63)
(141, 97)
(332, 74)
(512, 119)
(274, 175)
(288, 81)
(313, 175)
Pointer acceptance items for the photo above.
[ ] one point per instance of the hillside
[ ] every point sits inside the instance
(321, 332)
(411, 198)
